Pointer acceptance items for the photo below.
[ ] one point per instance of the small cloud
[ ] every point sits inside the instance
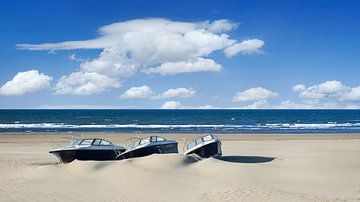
(141, 92)
(74, 58)
(178, 92)
(299, 88)
(145, 92)
(85, 83)
(250, 46)
(328, 94)
(323, 90)
(171, 105)
(220, 26)
(172, 68)
(352, 95)
(26, 82)
(254, 94)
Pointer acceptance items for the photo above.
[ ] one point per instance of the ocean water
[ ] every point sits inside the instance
(181, 121)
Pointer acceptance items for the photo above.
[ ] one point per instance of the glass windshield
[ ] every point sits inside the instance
(105, 143)
(191, 145)
(96, 142)
(207, 138)
(86, 142)
(199, 141)
(74, 142)
(135, 144)
(145, 141)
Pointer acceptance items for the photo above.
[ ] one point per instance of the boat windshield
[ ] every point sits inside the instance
(157, 139)
(199, 141)
(101, 142)
(86, 141)
(147, 140)
(95, 142)
(75, 142)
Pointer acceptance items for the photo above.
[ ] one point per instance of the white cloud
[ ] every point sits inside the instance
(353, 94)
(299, 88)
(145, 92)
(111, 63)
(171, 105)
(141, 92)
(331, 87)
(328, 94)
(72, 57)
(250, 46)
(323, 90)
(254, 94)
(171, 68)
(219, 26)
(26, 82)
(162, 34)
(85, 83)
(178, 92)
(142, 44)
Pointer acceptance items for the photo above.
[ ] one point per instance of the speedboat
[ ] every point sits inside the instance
(88, 149)
(148, 146)
(206, 146)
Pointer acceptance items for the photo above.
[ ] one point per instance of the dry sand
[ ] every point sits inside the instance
(253, 168)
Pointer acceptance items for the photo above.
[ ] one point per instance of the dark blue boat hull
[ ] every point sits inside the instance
(145, 151)
(67, 156)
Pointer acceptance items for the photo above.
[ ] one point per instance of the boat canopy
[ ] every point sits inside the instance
(92, 141)
(147, 140)
(200, 140)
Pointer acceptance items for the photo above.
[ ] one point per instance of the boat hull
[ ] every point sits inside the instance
(145, 151)
(67, 156)
(208, 150)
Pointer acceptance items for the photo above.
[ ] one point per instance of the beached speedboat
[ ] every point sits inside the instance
(148, 146)
(88, 149)
(205, 146)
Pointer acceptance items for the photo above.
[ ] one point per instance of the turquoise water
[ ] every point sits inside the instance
(181, 121)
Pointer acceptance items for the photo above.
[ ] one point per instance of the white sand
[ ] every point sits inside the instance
(326, 169)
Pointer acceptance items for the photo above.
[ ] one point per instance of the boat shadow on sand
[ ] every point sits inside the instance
(232, 159)
(245, 159)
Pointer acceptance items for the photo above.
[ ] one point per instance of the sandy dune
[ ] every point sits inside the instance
(325, 169)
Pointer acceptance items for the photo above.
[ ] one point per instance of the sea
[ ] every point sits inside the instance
(181, 121)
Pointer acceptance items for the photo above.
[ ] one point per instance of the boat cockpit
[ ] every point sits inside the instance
(200, 140)
(151, 139)
(88, 142)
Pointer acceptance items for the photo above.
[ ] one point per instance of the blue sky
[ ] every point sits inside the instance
(280, 54)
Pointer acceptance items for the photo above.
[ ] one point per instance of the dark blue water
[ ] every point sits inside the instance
(181, 121)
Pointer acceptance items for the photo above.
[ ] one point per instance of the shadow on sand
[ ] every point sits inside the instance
(246, 159)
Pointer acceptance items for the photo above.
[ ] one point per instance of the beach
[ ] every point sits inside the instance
(282, 167)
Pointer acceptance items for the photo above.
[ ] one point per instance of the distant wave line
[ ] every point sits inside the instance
(174, 126)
